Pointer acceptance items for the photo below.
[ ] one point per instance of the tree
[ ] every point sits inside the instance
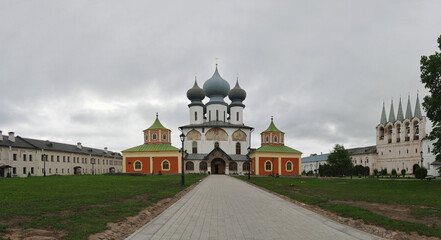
(403, 172)
(430, 67)
(394, 173)
(420, 173)
(340, 161)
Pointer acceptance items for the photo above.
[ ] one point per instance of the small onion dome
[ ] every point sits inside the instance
(216, 86)
(195, 93)
(237, 93)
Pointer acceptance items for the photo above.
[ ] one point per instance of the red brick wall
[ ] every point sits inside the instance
(130, 164)
(295, 166)
(174, 164)
(262, 161)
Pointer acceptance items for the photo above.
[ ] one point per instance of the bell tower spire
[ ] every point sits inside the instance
(408, 109)
(392, 112)
(400, 116)
(418, 108)
(383, 116)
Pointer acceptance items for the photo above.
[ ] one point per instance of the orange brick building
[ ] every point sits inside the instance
(156, 155)
(273, 157)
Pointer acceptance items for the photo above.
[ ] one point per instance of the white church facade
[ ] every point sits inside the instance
(401, 143)
(216, 140)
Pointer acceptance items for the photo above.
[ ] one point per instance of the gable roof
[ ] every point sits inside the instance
(70, 148)
(362, 150)
(316, 158)
(21, 142)
(217, 149)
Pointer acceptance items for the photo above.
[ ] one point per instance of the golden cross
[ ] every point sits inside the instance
(216, 60)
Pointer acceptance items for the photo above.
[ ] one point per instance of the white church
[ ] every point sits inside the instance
(401, 143)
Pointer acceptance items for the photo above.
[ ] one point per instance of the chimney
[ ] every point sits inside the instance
(11, 137)
(79, 145)
(105, 149)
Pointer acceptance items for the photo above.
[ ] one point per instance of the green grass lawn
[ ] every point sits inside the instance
(81, 205)
(409, 193)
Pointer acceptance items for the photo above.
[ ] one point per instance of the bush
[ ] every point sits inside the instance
(367, 171)
(403, 172)
(394, 172)
(421, 173)
(383, 172)
(310, 173)
(375, 172)
(304, 172)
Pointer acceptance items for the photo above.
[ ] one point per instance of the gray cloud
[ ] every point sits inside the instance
(97, 72)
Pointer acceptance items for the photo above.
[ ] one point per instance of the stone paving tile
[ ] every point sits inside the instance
(222, 207)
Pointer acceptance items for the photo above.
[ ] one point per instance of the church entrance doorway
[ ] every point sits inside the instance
(218, 166)
(415, 167)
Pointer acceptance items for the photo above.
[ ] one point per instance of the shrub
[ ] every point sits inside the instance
(367, 171)
(421, 173)
(394, 172)
(304, 172)
(310, 173)
(403, 172)
(375, 172)
(383, 172)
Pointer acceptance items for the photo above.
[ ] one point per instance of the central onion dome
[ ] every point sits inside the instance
(195, 94)
(237, 93)
(216, 88)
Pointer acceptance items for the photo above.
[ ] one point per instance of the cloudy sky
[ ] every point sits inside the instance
(96, 72)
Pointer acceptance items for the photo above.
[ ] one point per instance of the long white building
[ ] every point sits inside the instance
(24, 156)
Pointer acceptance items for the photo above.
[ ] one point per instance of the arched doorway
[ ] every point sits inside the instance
(77, 170)
(415, 168)
(218, 166)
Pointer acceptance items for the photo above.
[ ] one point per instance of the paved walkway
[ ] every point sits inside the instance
(223, 207)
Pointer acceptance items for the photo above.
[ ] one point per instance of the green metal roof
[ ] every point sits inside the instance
(277, 149)
(152, 148)
(157, 125)
(272, 128)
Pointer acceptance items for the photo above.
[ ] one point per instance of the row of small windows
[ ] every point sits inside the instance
(189, 166)
(275, 139)
(67, 159)
(269, 166)
(165, 165)
(217, 116)
(361, 161)
(407, 151)
(31, 170)
(389, 129)
(155, 137)
(14, 157)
